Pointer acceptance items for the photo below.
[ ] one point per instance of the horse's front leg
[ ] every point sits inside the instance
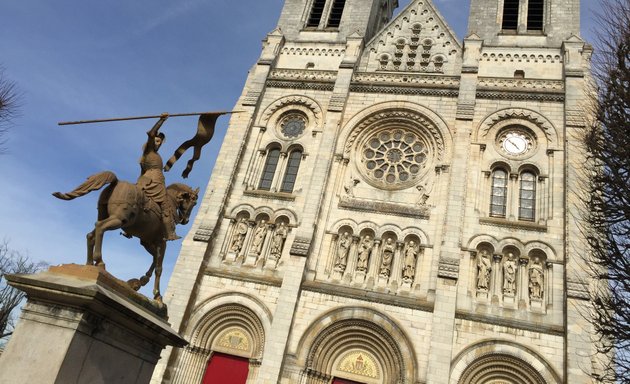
(159, 257)
(100, 228)
(90, 248)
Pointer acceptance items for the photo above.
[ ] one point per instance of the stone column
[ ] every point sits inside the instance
(496, 283)
(374, 263)
(522, 287)
(351, 262)
(82, 325)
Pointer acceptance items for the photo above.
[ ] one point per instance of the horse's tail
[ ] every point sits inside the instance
(94, 182)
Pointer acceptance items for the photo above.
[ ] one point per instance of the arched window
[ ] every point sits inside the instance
(510, 14)
(273, 155)
(535, 15)
(335, 13)
(498, 199)
(316, 13)
(293, 165)
(527, 197)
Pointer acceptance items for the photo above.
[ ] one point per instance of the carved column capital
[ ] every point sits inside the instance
(497, 257)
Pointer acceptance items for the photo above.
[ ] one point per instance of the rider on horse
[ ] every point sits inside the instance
(151, 179)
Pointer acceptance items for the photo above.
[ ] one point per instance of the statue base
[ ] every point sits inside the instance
(82, 325)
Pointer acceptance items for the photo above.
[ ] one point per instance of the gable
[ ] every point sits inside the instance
(417, 40)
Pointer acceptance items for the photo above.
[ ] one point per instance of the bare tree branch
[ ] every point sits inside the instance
(608, 204)
(12, 262)
(9, 106)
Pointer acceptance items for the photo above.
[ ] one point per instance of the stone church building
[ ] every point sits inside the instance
(395, 205)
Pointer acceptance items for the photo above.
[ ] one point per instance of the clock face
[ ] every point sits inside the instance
(515, 142)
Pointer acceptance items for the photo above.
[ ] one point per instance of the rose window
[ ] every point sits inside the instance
(293, 125)
(394, 158)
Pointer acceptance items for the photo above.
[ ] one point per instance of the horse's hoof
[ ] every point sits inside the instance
(134, 284)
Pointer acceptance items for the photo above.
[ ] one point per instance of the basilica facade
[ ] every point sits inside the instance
(395, 205)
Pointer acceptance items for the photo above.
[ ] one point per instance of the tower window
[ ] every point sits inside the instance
(510, 14)
(535, 14)
(498, 200)
(335, 13)
(527, 198)
(270, 169)
(290, 174)
(316, 13)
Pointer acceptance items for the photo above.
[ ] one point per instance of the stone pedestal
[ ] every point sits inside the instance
(82, 325)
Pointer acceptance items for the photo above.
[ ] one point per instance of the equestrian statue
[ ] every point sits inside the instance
(148, 209)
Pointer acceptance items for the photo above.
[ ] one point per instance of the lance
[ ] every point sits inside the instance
(146, 117)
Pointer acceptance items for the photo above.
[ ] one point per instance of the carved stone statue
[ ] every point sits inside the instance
(365, 247)
(349, 187)
(239, 235)
(536, 279)
(409, 270)
(509, 275)
(387, 256)
(343, 248)
(422, 195)
(259, 237)
(484, 267)
(277, 241)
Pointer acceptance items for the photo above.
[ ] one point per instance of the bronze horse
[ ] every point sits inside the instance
(123, 205)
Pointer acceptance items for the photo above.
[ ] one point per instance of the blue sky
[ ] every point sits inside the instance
(77, 60)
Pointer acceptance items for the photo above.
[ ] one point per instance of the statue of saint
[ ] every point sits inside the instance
(343, 248)
(277, 241)
(387, 256)
(365, 247)
(536, 279)
(151, 179)
(509, 275)
(239, 235)
(349, 187)
(409, 270)
(484, 267)
(259, 237)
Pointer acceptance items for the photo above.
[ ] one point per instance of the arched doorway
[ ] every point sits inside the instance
(226, 369)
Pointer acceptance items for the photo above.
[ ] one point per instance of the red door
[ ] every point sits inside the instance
(226, 369)
(343, 381)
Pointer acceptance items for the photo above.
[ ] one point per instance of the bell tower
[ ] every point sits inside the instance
(524, 22)
(334, 20)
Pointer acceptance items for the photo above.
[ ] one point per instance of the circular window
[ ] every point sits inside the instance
(293, 124)
(393, 158)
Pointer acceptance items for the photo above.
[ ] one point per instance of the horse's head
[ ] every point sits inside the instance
(185, 200)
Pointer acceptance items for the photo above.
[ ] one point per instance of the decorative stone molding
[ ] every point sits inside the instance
(531, 57)
(301, 246)
(511, 369)
(518, 114)
(300, 85)
(521, 96)
(448, 268)
(385, 207)
(410, 79)
(492, 83)
(522, 225)
(308, 51)
(401, 90)
(303, 75)
(203, 233)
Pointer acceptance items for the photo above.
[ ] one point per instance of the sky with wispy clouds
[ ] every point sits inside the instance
(78, 60)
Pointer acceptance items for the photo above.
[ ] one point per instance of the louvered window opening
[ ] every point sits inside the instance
(535, 15)
(316, 13)
(510, 14)
(335, 13)
(270, 169)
